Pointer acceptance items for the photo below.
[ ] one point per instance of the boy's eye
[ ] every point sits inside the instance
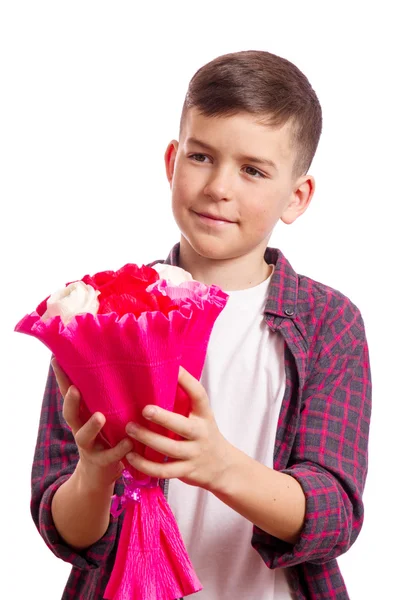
(198, 157)
(254, 172)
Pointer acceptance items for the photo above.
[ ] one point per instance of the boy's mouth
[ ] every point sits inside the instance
(208, 217)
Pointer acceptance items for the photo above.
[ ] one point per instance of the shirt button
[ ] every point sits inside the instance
(289, 312)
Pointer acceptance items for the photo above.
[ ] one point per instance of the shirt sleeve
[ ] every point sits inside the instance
(329, 456)
(55, 459)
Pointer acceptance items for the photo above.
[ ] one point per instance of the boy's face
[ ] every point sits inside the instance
(235, 169)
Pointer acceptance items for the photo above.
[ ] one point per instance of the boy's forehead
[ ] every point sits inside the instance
(252, 133)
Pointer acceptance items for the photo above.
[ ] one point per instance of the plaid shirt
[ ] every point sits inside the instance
(321, 440)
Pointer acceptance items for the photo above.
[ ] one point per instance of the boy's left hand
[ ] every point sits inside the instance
(201, 457)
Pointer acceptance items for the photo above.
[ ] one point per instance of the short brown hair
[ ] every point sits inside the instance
(262, 84)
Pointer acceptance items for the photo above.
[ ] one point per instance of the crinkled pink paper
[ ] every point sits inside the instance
(120, 365)
(207, 302)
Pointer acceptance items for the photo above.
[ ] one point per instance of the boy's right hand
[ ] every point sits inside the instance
(99, 466)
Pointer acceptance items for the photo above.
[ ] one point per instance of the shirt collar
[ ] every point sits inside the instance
(283, 289)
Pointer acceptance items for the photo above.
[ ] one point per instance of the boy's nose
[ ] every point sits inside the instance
(219, 187)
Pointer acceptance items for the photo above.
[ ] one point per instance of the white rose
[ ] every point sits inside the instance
(75, 299)
(174, 275)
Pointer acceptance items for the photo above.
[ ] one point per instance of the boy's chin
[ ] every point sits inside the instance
(213, 249)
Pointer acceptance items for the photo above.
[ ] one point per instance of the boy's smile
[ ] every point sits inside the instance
(232, 179)
(211, 219)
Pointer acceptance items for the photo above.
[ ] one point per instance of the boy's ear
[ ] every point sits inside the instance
(300, 199)
(169, 159)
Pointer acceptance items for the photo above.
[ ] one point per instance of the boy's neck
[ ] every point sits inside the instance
(230, 275)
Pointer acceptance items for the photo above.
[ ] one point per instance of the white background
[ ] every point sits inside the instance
(91, 94)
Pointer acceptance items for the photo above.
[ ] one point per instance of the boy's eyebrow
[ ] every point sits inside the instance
(252, 159)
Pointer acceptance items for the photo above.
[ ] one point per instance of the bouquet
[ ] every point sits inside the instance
(121, 337)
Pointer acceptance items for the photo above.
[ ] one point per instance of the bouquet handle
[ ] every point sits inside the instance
(151, 562)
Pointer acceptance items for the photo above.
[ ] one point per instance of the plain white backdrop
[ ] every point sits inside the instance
(91, 93)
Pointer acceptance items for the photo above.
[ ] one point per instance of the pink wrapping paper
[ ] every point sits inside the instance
(118, 364)
(121, 364)
(206, 302)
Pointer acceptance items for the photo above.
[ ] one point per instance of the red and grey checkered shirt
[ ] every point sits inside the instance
(321, 440)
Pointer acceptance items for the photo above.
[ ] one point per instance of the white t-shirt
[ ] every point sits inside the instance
(244, 377)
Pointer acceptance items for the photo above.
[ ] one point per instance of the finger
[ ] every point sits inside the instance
(71, 409)
(171, 448)
(62, 379)
(169, 420)
(85, 436)
(167, 470)
(196, 392)
(116, 454)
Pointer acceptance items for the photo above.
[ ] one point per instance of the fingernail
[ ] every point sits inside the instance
(149, 412)
(73, 391)
(131, 428)
(128, 445)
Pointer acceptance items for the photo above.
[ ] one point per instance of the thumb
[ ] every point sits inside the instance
(71, 409)
(196, 392)
(62, 379)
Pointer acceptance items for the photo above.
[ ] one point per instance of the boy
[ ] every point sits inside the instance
(274, 453)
